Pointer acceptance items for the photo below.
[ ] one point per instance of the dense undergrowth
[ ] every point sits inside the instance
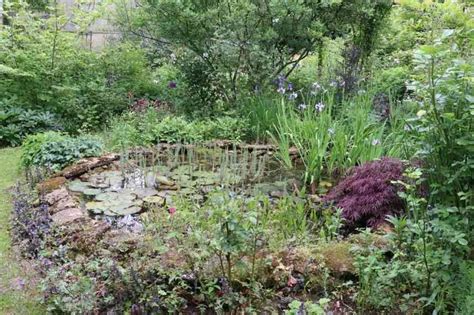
(374, 104)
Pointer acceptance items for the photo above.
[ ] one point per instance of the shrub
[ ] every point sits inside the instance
(54, 151)
(152, 127)
(367, 195)
(17, 123)
(83, 88)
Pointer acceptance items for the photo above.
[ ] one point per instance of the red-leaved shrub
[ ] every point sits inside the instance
(367, 195)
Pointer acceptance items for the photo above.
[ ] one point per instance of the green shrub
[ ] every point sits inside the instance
(151, 127)
(53, 150)
(16, 123)
(45, 69)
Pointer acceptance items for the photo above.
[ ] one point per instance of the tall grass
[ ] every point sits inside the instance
(331, 137)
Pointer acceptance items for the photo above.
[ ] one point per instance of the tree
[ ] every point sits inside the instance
(248, 43)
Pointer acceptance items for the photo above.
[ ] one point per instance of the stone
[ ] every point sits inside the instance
(50, 184)
(67, 216)
(56, 195)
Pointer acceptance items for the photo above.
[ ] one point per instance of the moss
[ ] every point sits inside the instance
(50, 184)
(337, 257)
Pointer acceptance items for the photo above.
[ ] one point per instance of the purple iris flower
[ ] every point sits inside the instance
(172, 85)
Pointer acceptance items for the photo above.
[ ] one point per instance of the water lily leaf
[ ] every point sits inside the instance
(163, 180)
(154, 200)
(91, 191)
(77, 186)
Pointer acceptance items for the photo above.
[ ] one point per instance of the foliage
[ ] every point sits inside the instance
(53, 151)
(367, 195)
(329, 136)
(297, 307)
(30, 224)
(152, 127)
(226, 49)
(44, 68)
(429, 246)
(16, 123)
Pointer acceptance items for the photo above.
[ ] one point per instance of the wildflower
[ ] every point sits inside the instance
(315, 86)
(205, 55)
(333, 83)
(290, 86)
(172, 85)
(302, 106)
(293, 96)
(331, 131)
(375, 142)
(281, 90)
(319, 107)
(173, 57)
(172, 210)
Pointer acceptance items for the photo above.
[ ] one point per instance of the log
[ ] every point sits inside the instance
(85, 165)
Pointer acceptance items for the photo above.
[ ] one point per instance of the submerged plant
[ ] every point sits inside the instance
(368, 195)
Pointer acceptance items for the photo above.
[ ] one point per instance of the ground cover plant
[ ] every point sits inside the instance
(236, 157)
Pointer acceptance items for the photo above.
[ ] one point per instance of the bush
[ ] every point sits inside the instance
(82, 88)
(152, 127)
(53, 151)
(16, 123)
(368, 195)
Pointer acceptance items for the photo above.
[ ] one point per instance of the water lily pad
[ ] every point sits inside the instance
(122, 211)
(163, 180)
(78, 186)
(91, 191)
(144, 192)
(154, 201)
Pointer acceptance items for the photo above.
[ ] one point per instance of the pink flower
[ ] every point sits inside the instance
(171, 210)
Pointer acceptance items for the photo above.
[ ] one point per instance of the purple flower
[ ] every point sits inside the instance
(293, 96)
(319, 107)
(290, 86)
(172, 85)
(375, 142)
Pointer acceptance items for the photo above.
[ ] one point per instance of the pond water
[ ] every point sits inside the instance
(142, 180)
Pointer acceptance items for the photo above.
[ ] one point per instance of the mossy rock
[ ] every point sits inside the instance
(337, 257)
(50, 184)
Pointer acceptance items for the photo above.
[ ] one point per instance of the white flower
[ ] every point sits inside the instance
(302, 106)
(319, 107)
(281, 90)
(331, 131)
(315, 86)
(293, 96)
(375, 142)
(205, 55)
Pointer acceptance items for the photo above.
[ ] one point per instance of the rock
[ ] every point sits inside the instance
(50, 184)
(121, 240)
(337, 257)
(67, 216)
(56, 195)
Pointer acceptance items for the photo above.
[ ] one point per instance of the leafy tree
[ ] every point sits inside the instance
(223, 46)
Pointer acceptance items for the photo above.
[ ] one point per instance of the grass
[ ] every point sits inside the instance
(14, 297)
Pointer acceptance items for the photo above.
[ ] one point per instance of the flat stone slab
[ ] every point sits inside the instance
(67, 216)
